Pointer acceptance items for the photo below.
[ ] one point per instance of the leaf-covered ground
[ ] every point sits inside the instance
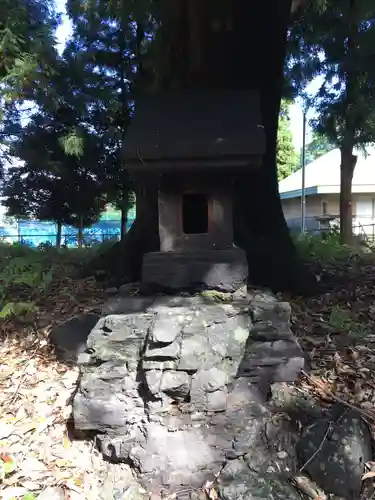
(337, 331)
(37, 457)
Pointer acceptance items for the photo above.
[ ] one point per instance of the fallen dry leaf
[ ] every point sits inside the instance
(35, 388)
(212, 494)
(368, 475)
(336, 331)
(13, 492)
(35, 403)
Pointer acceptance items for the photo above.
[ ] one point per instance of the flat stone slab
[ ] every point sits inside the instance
(224, 270)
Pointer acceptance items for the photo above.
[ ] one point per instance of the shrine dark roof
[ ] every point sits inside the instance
(197, 128)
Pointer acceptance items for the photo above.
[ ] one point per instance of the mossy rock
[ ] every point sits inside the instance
(216, 296)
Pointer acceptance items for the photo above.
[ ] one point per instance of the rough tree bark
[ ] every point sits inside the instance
(262, 230)
(58, 234)
(348, 162)
(239, 45)
(80, 232)
(122, 263)
(124, 222)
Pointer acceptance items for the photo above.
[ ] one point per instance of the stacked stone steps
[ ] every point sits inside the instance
(170, 384)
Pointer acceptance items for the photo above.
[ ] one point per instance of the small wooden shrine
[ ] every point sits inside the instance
(196, 144)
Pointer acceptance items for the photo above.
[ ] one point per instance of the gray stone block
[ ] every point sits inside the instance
(289, 370)
(126, 305)
(340, 451)
(175, 384)
(224, 270)
(164, 353)
(216, 401)
(167, 328)
(211, 380)
(193, 352)
(159, 365)
(268, 311)
(160, 384)
(99, 414)
(153, 378)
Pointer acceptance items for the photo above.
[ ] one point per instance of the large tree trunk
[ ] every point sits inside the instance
(58, 234)
(348, 162)
(123, 262)
(237, 44)
(249, 52)
(80, 232)
(124, 222)
(262, 230)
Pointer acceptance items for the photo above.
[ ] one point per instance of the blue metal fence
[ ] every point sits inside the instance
(35, 233)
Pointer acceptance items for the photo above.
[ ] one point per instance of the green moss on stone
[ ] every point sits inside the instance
(216, 296)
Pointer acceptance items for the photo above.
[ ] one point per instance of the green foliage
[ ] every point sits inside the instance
(317, 147)
(27, 52)
(27, 61)
(8, 465)
(325, 249)
(22, 272)
(287, 156)
(337, 43)
(29, 496)
(17, 309)
(26, 273)
(216, 296)
(72, 145)
(52, 185)
(106, 44)
(341, 320)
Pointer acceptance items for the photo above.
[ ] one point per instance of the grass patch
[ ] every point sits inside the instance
(27, 273)
(341, 319)
(325, 249)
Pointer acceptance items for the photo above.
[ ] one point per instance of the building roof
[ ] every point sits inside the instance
(177, 128)
(322, 176)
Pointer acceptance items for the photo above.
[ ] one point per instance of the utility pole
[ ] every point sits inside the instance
(303, 164)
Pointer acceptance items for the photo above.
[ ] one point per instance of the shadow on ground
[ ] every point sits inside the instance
(69, 339)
